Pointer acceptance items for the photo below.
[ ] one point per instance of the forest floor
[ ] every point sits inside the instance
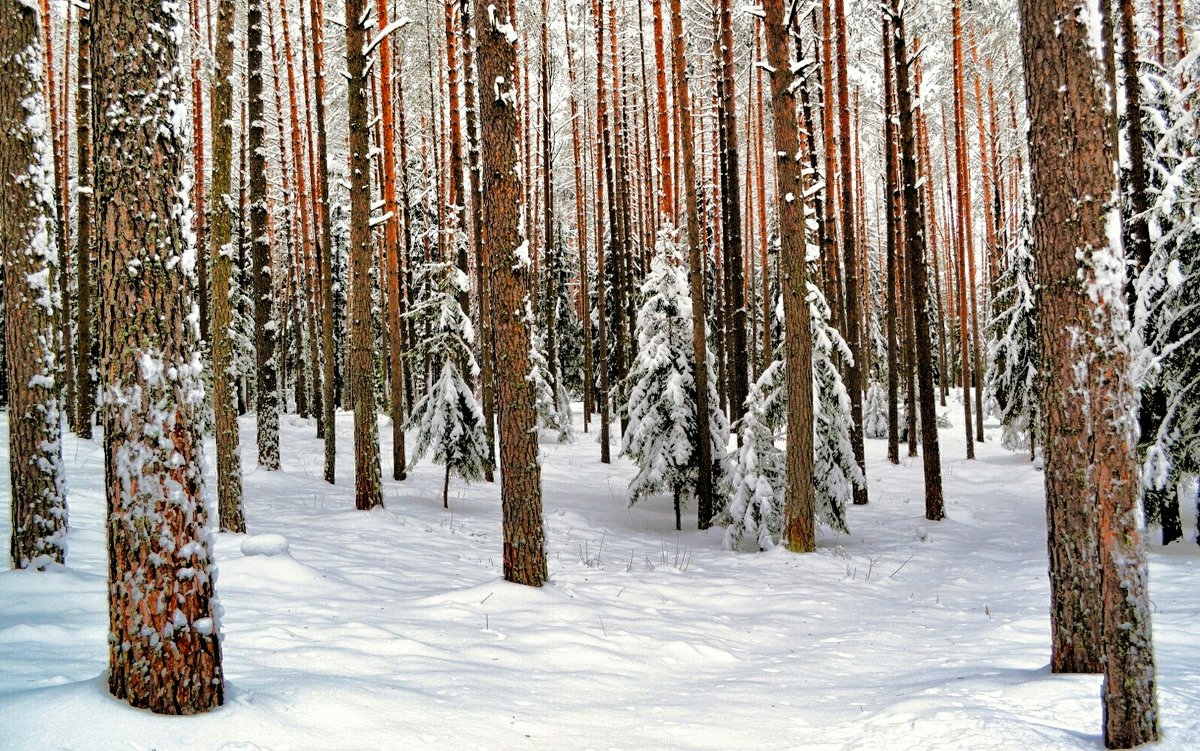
(393, 628)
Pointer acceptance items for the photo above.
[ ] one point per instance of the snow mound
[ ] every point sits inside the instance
(265, 545)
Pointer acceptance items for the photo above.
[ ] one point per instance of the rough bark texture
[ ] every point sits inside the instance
(799, 526)
(1088, 391)
(266, 405)
(914, 236)
(164, 646)
(683, 106)
(361, 367)
(59, 186)
(85, 382)
(1071, 183)
(229, 464)
(510, 275)
(38, 500)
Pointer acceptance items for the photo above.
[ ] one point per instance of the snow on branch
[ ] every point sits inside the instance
(396, 25)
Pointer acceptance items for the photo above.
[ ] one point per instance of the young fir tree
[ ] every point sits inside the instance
(1167, 309)
(875, 412)
(31, 301)
(552, 405)
(448, 420)
(758, 476)
(759, 471)
(662, 435)
(1012, 374)
(836, 472)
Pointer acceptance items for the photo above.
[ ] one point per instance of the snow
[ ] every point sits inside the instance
(268, 545)
(392, 628)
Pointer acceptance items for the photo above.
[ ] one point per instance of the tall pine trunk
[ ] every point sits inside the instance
(510, 271)
(85, 382)
(38, 495)
(799, 527)
(918, 273)
(164, 646)
(705, 506)
(368, 492)
(229, 465)
(266, 404)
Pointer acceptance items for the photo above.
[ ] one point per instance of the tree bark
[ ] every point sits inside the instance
(854, 370)
(368, 492)
(893, 211)
(914, 237)
(1070, 168)
(521, 475)
(85, 381)
(266, 405)
(1091, 469)
(229, 465)
(38, 496)
(391, 243)
(799, 527)
(705, 506)
(325, 251)
(164, 646)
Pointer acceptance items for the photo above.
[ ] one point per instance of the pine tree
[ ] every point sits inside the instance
(31, 300)
(448, 420)
(759, 472)
(1100, 610)
(368, 491)
(662, 435)
(265, 324)
(223, 337)
(164, 642)
(875, 412)
(837, 473)
(551, 403)
(1167, 311)
(509, 278)
(1012, 375)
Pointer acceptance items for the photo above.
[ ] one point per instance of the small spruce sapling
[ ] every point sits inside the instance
(553, 406)
(662, 434)
(448, 420)
(759, 472)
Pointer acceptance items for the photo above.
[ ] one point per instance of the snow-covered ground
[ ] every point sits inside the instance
(393, 628)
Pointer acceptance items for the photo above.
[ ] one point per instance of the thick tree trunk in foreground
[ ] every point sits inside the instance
(510, 276)
(229, 463)
(368, 492)
(1100, 617)
(164, 648)
(799, 526)
(38, 501)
